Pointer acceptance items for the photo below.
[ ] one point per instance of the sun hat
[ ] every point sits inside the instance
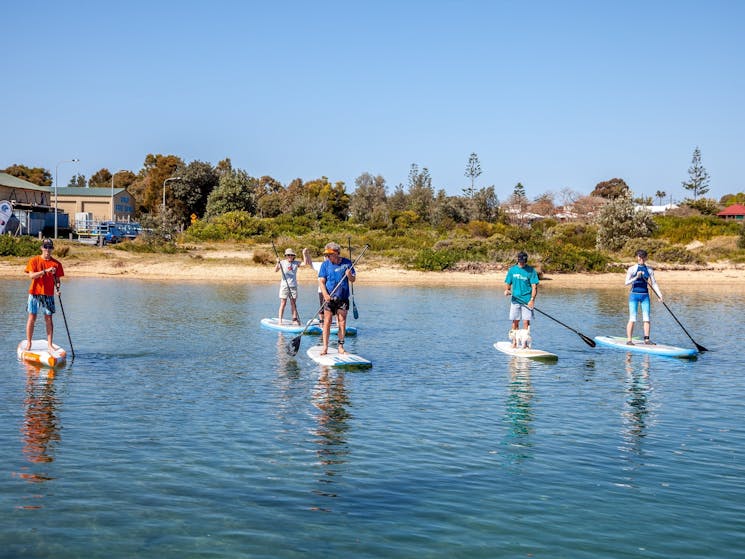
(331, 248)
(522, 256)
(290, 252)
(47, 243)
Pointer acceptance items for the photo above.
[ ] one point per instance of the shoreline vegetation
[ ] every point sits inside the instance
(230, 263)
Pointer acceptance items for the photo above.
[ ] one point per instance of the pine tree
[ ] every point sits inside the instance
(698, 181)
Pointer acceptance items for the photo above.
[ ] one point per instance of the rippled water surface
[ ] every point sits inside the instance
(182, 429)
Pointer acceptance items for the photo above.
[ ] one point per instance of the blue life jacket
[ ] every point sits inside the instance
(640, 284)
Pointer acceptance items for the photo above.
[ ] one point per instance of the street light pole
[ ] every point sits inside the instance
(56, 169)
(163, 208)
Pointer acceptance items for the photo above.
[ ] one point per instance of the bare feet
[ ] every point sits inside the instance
(324, 351)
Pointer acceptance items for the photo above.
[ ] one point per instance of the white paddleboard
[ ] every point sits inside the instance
(335, 359)
(619, 342)
(40, 354)
(289, 328)
(527, 353)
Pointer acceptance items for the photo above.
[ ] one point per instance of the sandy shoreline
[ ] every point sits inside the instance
(238, 267)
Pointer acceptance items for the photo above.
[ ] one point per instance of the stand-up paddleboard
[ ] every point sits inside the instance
(335, 359)
(619, 342)
(40, 354)
(527, 353)
(289, 328)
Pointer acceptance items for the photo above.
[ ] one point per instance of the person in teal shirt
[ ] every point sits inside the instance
(522, 283)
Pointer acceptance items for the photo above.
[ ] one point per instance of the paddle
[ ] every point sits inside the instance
(59, 296)
(699, 347)
(294, 344)
(284, 277)
(587, 340)
(351, 285)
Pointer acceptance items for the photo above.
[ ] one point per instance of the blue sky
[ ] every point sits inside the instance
(555, 95)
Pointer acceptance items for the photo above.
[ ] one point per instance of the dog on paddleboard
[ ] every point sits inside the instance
(521, 338)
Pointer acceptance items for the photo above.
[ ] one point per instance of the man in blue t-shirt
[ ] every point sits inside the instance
(333, 278)
(522, 283)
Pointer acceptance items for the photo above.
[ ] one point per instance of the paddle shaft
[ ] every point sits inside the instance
(294, 344)
(287, 283)
(355, 313)
(64, 318)
(589, 341)
(699, 347)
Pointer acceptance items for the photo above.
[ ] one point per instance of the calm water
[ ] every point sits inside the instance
(182, 429)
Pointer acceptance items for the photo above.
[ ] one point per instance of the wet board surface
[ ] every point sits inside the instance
(39, 354)
(619, 342)
(335, 359)
(530, 353)
(288, 327)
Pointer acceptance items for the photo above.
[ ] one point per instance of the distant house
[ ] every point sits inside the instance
(735, 211)
(659, 209)
(30, 205)
(102, 204)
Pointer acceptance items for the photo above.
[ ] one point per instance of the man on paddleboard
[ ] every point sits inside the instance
(44, 272)
(522, 283)
(640, 276)
(333, 277)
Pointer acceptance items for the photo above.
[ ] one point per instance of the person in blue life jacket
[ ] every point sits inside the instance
(640, 277)
(521, 282)
(334, 276)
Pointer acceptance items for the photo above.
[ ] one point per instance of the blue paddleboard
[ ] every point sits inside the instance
(289, 328)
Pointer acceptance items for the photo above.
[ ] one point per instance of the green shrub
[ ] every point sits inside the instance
(683, 230)
(436, 260)
(19, 246)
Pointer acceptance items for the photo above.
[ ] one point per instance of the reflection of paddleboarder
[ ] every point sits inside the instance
(44, 272)
(41, 424)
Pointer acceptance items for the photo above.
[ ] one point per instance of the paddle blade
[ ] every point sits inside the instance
(294, 345)
(700, 348)
(355, 314)
(588, 341)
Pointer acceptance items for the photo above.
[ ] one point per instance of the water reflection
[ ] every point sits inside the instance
(519, 409)
(41, 427)
(331, 400)
(636, 409)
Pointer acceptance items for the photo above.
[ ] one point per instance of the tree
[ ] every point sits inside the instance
(148, 188)
(473, 171)
(518, 199)
(235, 191)
(485, 205)
(611, 189)
(36, 175)
(198, 180)
(100, 178)
(421, 195)
(368, 202)
(543, 205)
(619, 221)
(660, 195)
(698, 177)
(77, 180)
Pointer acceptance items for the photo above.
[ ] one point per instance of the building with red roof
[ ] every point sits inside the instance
(735, 211)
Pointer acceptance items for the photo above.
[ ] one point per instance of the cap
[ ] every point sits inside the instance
(331, 248)
(522, 257)
(47, 243)
(642, 253)
(290, 252)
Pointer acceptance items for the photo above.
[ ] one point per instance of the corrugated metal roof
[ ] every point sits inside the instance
(98, 191)
(14, 182)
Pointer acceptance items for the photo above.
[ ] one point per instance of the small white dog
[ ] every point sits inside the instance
(521, 338)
